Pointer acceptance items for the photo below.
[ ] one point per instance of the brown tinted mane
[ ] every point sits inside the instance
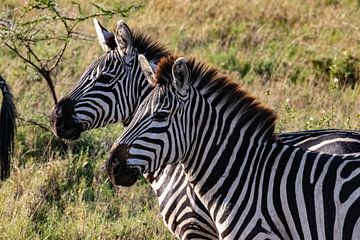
(204, 77)
(151, 49)
(164, 69)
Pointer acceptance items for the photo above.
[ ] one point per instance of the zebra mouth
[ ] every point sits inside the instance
(67, 131)
(63, 121)
(120, 175)
(125, 178)
(118, 172)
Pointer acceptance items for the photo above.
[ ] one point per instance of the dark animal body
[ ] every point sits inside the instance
(7, 129)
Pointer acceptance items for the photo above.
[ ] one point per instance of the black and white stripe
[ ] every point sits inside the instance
(106, 93)
(252, 185)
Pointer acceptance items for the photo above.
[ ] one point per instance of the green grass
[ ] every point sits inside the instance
(71, 198)
(300, 58)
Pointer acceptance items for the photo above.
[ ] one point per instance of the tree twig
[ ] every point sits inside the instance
(33, 122)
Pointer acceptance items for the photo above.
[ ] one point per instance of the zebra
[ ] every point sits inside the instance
(252, 185)
(7, 129)
(80, 110)
(108, 91)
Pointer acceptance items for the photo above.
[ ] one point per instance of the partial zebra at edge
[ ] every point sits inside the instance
(7, 129)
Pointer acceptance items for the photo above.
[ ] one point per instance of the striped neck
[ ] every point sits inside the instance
(225, 131)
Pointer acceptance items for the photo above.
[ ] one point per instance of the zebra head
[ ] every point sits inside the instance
(160, 119)
(110, 88)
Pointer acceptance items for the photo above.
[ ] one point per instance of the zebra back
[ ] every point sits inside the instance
(330, 141)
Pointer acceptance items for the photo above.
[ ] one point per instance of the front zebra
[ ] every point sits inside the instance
(252, 185)
(7, 129)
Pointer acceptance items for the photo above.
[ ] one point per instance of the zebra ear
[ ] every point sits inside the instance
(147, 70)
(124, 38)
(181, 75)
(106, 38)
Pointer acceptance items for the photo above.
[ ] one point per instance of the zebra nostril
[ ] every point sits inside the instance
(121, 152)
(64, 109)
(59, 113)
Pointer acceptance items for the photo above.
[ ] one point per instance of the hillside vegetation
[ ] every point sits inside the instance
(301, 58)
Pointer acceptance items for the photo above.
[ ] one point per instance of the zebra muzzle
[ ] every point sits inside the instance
(118, 172)
(63, 121)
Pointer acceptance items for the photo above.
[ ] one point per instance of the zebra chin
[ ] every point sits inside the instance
(118, 172)
(68, 135)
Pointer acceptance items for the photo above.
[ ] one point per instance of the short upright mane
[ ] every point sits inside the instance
(205, 78)
(151, 49)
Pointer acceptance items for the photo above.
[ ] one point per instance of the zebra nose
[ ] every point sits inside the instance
(116, 167)
(64, 108)
(62, 120)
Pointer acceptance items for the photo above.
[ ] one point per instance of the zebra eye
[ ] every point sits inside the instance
(105, 78)
(160, 116)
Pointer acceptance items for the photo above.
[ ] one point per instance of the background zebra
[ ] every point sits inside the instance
(252, 185)
(106, 87)
(109, 89)
(330, 141)
(7, 129)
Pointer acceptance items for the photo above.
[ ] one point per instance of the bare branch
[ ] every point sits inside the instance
(40, 23)
(32, 52)
(33, 122)
(60, 56)
(14, 49)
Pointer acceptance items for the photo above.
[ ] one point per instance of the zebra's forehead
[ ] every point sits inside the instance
(109, 57)
(152, 101)
(105, 63)
(154, 97)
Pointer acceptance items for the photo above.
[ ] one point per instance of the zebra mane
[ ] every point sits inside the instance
(151, 49)
(213, 82)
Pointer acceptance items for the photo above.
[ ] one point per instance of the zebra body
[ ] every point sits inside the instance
(253, 186)
(98, 100)
(7, 129)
